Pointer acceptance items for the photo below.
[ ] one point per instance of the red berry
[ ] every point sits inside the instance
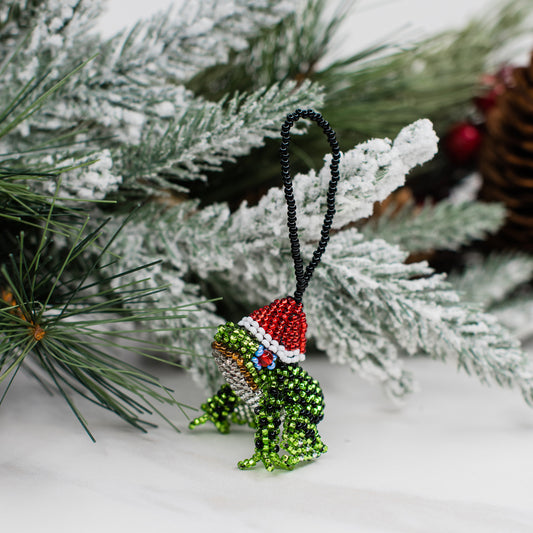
(496, 84)
(487, 101)
(462, 143)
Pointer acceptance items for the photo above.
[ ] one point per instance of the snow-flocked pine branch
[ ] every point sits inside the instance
(208, 134)
(377, 308)
(132, 91)
(488, 281)
(500, 283)
(446, 225)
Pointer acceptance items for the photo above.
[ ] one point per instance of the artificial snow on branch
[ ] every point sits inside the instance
(195, 35)
(446, 225)
(209, 134)
(500, 284)
(368, 174)
(490, 280)
(91, 177)
(382, 308)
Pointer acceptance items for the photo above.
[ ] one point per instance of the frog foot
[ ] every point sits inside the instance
(270, 460)
(296, 456)
(221, 425)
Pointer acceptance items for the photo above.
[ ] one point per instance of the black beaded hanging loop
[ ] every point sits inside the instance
(303, 277)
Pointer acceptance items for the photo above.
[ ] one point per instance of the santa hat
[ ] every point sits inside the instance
(280, 327)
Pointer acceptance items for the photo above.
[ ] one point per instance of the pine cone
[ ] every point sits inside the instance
(506, 159)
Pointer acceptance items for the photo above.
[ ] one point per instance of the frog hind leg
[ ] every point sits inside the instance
(301, 441)
(218, 409)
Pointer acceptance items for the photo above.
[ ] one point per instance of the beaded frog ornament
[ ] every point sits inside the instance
(259, 357)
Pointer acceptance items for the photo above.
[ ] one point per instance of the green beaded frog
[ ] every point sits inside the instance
(259, 356)
(281, 401)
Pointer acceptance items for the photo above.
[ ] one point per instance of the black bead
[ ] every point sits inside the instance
(316, 419)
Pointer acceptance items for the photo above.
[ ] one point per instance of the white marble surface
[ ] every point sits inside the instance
(457, 458)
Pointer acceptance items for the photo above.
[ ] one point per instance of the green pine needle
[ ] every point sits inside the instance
(61, 326)
(32, 106)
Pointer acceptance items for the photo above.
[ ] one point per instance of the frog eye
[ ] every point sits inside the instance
(264, 358)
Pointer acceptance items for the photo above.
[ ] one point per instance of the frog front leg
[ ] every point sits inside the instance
(218, 409)
(267, 438)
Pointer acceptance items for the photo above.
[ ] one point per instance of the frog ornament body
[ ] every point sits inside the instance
(266, 388)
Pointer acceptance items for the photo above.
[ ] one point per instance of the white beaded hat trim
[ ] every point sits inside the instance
(287, 356)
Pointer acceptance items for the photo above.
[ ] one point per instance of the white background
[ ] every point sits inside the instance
(372, 18)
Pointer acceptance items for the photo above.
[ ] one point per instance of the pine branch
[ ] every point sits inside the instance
(500, 283)
(436, 78)
(368, 174)
(64, 327)
(130, 99)
(373, 92)
(445, 225)
(193, 37)
(289, 50)
(366, 307)
(147, 241)
(209, 134)
(136, 80)
(490, 281)
(395, 306)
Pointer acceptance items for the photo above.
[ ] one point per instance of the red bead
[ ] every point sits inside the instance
(265, 358)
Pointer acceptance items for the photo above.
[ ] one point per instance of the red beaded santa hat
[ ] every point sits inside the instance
(280, 327)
